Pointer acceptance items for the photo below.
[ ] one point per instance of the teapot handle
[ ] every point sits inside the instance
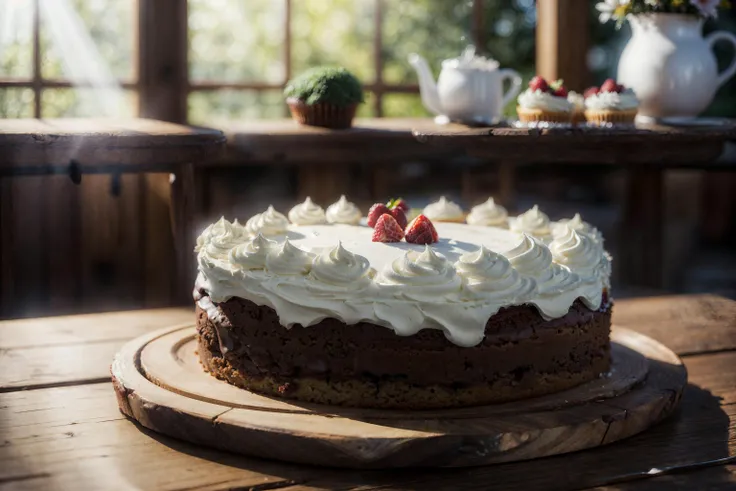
(515, 87)
(712, 39)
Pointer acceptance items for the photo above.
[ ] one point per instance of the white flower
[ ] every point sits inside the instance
(653, 3)
(707, 7)
(611, 9)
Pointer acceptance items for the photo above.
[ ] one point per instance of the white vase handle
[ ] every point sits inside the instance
(515, 87)
(712, 39)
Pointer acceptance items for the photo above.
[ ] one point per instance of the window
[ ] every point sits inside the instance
(67, 58)
(241, 53)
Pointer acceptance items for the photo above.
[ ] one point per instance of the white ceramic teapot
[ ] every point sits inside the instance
(469, 89)
(671, 66)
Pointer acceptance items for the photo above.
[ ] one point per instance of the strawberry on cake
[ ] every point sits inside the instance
(425, 315)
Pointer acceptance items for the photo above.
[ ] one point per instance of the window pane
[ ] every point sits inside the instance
(434, 29)
(236, 40)
(213, 106)
(88, 39)
(334, 32)
(16, 103)
(367, 109)
(403, 106)
(16, 30)
(86, 102)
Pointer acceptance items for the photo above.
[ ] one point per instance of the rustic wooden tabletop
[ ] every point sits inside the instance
(60, 427)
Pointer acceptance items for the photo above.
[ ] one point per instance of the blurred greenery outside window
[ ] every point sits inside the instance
(238, 55)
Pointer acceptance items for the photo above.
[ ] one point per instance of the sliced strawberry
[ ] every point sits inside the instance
(421, 231)
(387, 230)
(561, 91)
(538, 83)
(609, 85)
(591, 91)
(375, 213)
(398, 203)
(399, 216)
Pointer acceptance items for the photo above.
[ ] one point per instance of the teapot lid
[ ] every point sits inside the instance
(469, 60)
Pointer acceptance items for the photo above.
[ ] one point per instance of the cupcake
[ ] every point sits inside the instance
(578, 107)
(324, 96)
(544, 103)
(488, 214)
(610, 104)
(444, 210)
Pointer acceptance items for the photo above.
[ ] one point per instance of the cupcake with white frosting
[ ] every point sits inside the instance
(544, 103)
(611, 104)
(489, 214)
(578, 107)
(444, 210)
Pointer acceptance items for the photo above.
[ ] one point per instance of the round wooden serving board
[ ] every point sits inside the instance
(160, 383)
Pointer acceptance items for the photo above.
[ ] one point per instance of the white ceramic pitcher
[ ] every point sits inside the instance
(671, 66)
(469, 89)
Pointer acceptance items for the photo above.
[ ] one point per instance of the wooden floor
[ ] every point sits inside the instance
(60, 427)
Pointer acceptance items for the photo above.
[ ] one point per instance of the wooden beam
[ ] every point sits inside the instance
(563, 35)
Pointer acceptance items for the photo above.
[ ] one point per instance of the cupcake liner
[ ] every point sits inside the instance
(608, 117)
(578, 117)
(540, 115)
(322, 114)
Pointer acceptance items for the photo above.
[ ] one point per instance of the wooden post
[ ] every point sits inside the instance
(562, 41)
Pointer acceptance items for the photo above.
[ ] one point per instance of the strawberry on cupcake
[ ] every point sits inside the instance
(610, 104)
(544, 102)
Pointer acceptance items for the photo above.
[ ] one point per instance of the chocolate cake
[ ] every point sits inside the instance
(318, 312)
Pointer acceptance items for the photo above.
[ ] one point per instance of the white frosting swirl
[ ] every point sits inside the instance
(422, 275)
(343, 211)
(577, 100)
(536, 99)
(488, 213)
(252, 254)
(576, 223)
(217, 239)
(270, 222)
(576, 251)
(289, 260)
(340, 267)
(492, 274)
(307, 213)
(612, 101)
(533, 222)
(443, 209)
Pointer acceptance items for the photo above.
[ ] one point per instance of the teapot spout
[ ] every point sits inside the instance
(427, 85)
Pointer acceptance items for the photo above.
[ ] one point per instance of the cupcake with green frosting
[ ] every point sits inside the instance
(324, 96)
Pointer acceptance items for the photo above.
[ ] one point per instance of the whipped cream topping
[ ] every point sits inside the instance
(343, 211)
(576, 223)
(533, 222)
(289, 259)
(577, 100)
(421, 275)
(307, 213)
(314, 272)
(576, 251)
(252, 254)
(612, 101)
(268, 223)
(488, 213)
(536, 99)
(443, 209)
(340, 267)
(217, 239)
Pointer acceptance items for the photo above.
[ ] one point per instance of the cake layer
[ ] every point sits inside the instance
(363, 364)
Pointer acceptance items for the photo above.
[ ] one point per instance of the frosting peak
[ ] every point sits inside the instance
(532, 222)
(340, 267)
(307, 213)
(252, 254)
(289, 260)
(217, 239)
(491, 273)
(576, 251)
(488, 213)
(343, 211)
(443, 209)
(576, 223)
(270, 222)
(422, 275)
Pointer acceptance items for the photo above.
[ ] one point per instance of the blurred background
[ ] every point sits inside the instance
(223, 64)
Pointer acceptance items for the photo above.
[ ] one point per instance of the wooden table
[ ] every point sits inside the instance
(60, 427)
(645, 152)
(75, 147)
